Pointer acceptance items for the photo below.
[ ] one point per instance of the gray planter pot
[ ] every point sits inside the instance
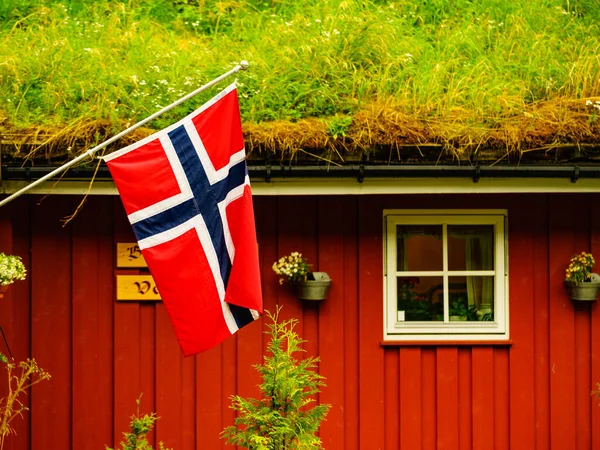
(313, 289)
(586, 291)
(458, 318)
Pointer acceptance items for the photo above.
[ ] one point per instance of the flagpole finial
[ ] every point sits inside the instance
(244, 65)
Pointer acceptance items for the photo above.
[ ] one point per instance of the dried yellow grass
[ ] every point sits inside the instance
(518, 129)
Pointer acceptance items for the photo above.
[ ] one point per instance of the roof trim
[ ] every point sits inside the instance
(348, 186)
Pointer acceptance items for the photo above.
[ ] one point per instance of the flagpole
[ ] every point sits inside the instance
(243, 65)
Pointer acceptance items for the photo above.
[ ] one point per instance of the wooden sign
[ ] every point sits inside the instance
(129, 255)
(136, 287)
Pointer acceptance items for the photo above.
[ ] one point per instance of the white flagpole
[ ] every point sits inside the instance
(243, 65)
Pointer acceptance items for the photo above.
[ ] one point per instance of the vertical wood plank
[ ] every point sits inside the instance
(292, 236)
(15, 307)
(501, 399)
(447, 397)
(249, 353)
(540, 210)
(522, 315)
(168, 381)
(228, 383)
(266, 210)
(332, 316)
(562, 325)
(582, 343)
(410, 398)
(127, 385)
(148, 363)
(51, 323)
(92, 325)
(371, 368)
(595, 327)
(465, 399)
(188, 410)
(391, 399)
(350, 350)
(250, 338)
(429, 398)
(208, 399)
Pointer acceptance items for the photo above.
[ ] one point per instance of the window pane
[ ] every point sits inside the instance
(470, 247)
(419, 247)
(420, 298)
(471, 298)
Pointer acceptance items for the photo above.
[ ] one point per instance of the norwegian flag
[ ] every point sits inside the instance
(187, 195)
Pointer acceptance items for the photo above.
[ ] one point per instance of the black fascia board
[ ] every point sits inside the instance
(357, 171)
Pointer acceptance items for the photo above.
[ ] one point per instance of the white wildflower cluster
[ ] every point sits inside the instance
(292, 268)
(595, 104)
(11, 269)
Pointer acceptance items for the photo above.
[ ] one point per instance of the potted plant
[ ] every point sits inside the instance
(458, 311)
(308, 285)
(11, 270)
(580, 282)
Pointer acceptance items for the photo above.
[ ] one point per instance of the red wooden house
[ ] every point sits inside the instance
(404, 246)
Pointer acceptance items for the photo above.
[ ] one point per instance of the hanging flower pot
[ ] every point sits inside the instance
(580, 283)
(307, 285)
(313, 289)
(584, 291)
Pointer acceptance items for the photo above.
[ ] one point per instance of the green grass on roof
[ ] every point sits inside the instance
(460, 70)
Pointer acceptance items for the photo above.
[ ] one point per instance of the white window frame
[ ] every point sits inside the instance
(395, 330)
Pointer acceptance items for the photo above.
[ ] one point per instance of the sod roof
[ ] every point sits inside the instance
(332, 80)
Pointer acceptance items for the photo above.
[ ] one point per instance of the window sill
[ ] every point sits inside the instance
(447, 343)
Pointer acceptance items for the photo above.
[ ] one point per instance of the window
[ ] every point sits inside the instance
(445, 275)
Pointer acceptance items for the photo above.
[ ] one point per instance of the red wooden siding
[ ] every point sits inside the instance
(103, 354)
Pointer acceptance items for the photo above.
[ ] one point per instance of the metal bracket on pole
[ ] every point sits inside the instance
(575, 176)
(361, 173)
(477, 174)
(243, 65)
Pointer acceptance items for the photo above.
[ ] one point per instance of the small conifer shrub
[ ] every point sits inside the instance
(139, 427)
(286, 416)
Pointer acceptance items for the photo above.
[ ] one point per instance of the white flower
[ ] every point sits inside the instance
(11, 269)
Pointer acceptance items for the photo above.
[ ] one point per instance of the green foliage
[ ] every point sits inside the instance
(20, 377)
(285, 417)
(140, 426)
(338, 126)
(120, 60)
(459, 308)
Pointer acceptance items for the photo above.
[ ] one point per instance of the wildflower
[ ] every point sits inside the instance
(291, 268)
(580, 268)
(11, 269)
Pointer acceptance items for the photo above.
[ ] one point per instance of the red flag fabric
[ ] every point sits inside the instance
(186, 192)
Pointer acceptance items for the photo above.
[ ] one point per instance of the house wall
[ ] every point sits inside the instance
(102, 354)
